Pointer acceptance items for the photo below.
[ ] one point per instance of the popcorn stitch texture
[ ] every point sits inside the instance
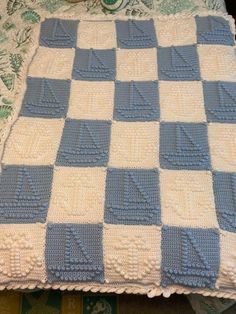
(88, 199)
(46, 98)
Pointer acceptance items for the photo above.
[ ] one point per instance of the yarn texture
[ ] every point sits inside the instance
(118, 171)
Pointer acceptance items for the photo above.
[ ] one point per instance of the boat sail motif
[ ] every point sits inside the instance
(226, 110)
(218, 32)
(86, 148)
(60, 37)
(78, 263)
(138, 106)
(47, 104)
(180, 67)
(96, 68)
(136, 202)
(26, 198)
(227, 215)
(137, 37)
(187, 153)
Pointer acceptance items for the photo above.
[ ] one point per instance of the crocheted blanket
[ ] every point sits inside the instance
(119, 166)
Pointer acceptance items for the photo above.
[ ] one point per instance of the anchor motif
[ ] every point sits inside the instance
(191, 199)
(18, 263)
(47, 103)
(229, 271)
(130, 264)
(180, 68)
(96, 68)
(137, 38)
(77, 191)
(226, 154)
(36, 139)
(60, 37)
(187, 150)
(137, 148)
(227, 105)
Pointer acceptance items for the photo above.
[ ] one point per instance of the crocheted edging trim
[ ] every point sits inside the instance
(151, 290)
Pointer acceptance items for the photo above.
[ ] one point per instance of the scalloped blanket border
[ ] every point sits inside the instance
(149, 290)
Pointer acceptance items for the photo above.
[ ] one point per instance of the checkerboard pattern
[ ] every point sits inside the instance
(121, 167)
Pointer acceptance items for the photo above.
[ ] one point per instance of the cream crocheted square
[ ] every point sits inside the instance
(22, 253)
(96, 35)
(134, 144)
(91, 100)
(227, 273)
(181, 101)
(217, 63)
(132, 253)
(33, 141)
(176, 32)
(78, 195)
(52, 63)
(137, 65)
(222, 140)
(187, 199)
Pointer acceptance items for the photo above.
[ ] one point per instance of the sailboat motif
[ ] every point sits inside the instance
(193, 257)
(137, 37)
(179, 68)
(96, 68)
(138, 106)
(194, 266)
(227, 214)
(27, 201)
(218, 32)
(136, 204)
(86, 148)
(187, 153)
(227, 104)
(47, 104)
(78, 264)
(60, 37)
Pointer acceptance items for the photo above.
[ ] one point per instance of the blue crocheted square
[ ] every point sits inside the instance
(25, 193)
(184, 146)
(84, 143)
(178, 63)
(46, 98)
(136, 101)
(220, 101)
(132, 197)
(58, 33)
(94, 65)
(225, 198)
(74, 253)
(213, 30)
(133, 34)
(190, 257)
